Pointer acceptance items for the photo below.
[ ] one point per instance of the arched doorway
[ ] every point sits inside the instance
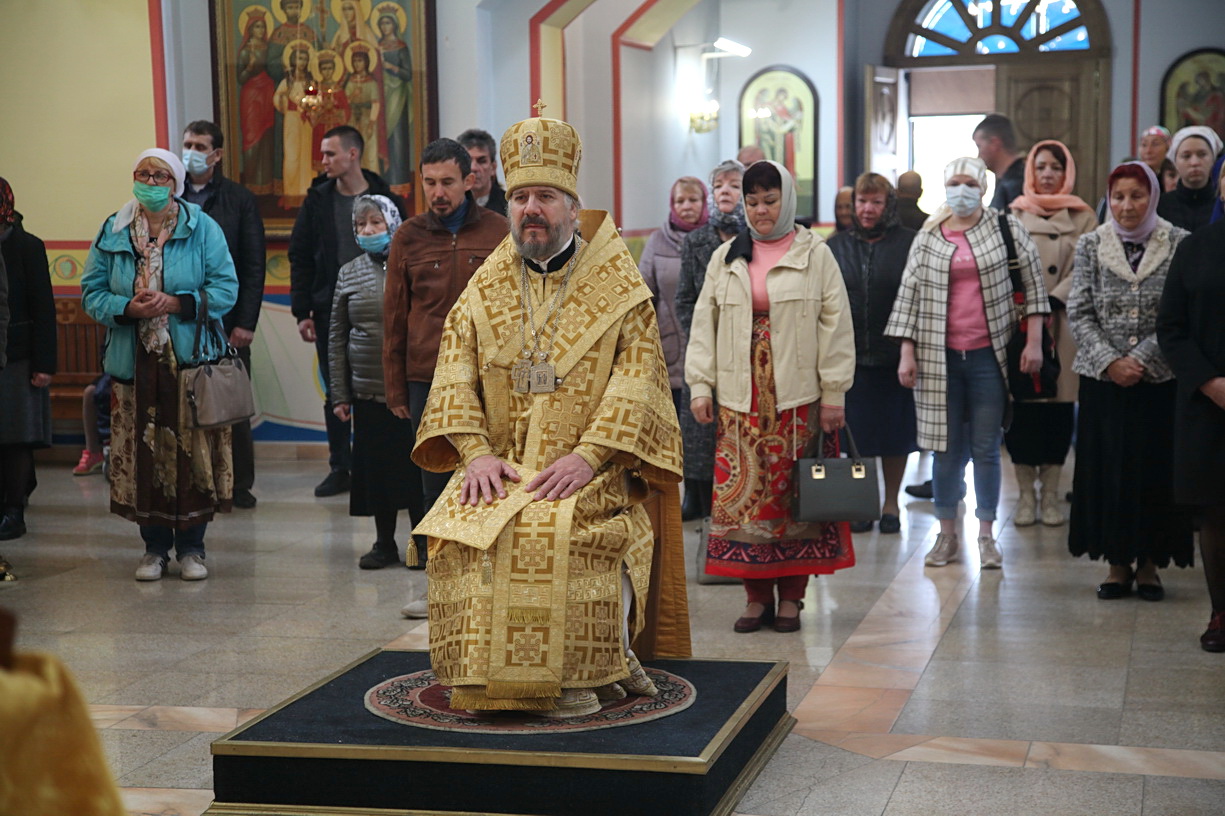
(1051, 61)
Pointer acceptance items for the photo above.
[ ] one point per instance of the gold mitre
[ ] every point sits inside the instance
(541, 151)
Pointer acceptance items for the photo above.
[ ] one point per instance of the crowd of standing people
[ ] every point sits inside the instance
(925, 312)
(774, 339)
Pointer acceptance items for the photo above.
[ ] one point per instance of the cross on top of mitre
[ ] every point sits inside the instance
(539, 106)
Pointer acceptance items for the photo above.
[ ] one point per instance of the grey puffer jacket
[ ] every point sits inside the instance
(355, 337)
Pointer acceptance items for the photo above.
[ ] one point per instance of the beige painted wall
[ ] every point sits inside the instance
(76, 107)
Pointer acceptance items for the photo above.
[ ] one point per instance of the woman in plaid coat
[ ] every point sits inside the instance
(955, 314)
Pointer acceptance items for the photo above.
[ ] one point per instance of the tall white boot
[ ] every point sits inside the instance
(1027, 506)
(1052, 512)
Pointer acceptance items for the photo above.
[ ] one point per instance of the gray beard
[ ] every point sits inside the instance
(542, 250)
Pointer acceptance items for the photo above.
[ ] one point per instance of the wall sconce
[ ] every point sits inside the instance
(705, 117)
(703, 111)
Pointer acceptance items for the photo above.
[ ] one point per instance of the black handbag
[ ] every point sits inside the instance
(1044, 382)
(836, 489)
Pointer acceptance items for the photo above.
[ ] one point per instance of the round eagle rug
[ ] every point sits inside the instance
(417, 699)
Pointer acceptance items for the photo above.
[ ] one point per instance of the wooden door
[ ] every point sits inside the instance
(885, 122)
(1064, 99)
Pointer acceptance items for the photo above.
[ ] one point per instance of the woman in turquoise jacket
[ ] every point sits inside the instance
(144, 280)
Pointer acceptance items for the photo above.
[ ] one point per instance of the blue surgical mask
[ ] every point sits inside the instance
(376, 244)
(153, 199)
(195, 162)
(963, 199)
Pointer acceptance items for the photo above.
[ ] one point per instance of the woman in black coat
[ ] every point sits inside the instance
(25, 400)
(1192, 337)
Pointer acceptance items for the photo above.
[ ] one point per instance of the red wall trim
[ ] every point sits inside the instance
(157, 48)
(615, 44)
(1135, 77)
(533, 35)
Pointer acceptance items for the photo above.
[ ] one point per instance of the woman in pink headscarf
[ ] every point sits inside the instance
(1123, 507)
(1041, 431)
(661, 268)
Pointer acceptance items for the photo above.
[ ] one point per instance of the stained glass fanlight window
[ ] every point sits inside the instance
(983, 27)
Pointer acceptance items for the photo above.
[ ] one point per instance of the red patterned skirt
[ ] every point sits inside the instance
(752, 533)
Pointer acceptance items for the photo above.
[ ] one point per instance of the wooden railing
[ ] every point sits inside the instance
(79, 341)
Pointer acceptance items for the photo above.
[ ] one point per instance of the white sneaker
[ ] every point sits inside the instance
(152, 567)
(416, 610)
(191, 568)
(989, 556)
(943, 551)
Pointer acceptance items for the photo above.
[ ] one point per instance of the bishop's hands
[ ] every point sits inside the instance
(484, 474)
(483, 480)
(560, 479)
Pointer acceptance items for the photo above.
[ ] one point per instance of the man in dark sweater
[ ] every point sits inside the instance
(997, 146)
(233, 207)
(483, 151)
(909, 191)
(322, 241)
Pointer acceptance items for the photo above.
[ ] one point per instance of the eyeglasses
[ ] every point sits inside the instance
(156, 176)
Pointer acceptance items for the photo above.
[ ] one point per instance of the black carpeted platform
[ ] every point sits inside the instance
(325, 751)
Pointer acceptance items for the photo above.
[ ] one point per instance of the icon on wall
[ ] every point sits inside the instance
(1193, 91)
(288, 71)
(778, 113)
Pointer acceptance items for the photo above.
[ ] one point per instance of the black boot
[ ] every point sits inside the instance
(705, 492)
(691, 506)
(13, 525)
(382, 554)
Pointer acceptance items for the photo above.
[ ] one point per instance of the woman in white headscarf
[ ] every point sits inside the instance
(772, 339)
(1189, 205)
(146, 278)
(955, 315)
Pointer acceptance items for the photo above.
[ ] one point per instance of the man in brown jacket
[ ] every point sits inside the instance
(432, 257)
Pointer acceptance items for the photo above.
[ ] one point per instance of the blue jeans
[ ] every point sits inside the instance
(160, 540)
(976, 404)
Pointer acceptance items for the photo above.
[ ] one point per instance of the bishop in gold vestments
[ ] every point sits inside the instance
(550, 361)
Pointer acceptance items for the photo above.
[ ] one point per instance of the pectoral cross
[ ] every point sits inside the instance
(539, 106)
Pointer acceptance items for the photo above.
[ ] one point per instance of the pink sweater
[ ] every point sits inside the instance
(967, 316)
(766, 254)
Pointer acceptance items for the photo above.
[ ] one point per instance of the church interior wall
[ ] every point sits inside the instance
(76, 107)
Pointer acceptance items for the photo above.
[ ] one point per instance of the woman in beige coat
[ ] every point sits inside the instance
(771, 338)
(1041, 431)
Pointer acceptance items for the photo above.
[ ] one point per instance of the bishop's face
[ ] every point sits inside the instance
(541, 221)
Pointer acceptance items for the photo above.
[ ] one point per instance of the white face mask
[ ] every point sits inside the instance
(963, 199)
(195, 162)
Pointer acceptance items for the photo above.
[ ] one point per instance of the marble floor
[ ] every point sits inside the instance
(917, 690)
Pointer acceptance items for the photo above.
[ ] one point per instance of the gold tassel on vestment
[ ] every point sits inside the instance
(520, 614)
(474, 698)
(410, 554)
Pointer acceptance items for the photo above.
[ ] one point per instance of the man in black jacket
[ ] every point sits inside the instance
(997, 147)
(322, 241)
(233, 207)
(484, 152)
